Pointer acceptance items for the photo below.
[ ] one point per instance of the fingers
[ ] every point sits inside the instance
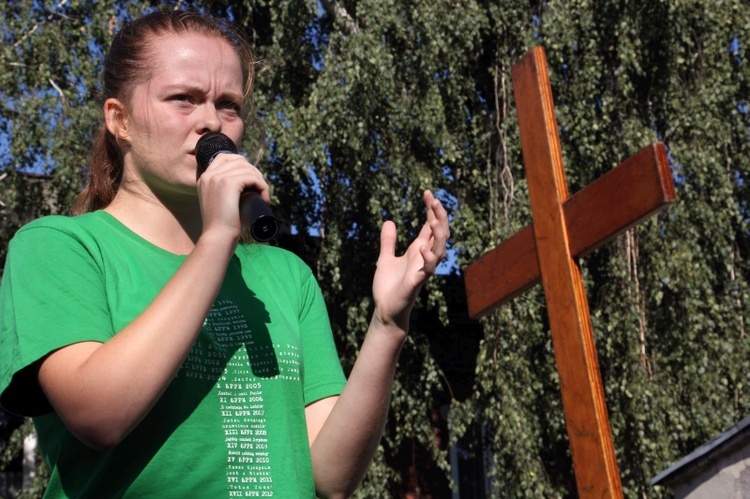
(436, 230)
(219, 190)
(430, 244)
(429, 199)
(432, 239)
(234, 172)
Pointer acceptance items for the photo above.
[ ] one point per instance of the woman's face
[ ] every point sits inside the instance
(195, 87)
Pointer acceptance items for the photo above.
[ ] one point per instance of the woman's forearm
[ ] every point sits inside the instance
(103, 390)
(346, 444)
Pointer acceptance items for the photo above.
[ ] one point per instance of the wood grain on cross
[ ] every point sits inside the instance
(564, 229)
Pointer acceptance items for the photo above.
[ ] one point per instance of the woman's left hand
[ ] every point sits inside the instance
(398, 279)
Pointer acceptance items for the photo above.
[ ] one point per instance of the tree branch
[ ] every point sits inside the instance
(62, 96)
(340, 16)
(38, 25)
(2, 177)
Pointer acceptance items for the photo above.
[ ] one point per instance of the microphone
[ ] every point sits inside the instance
(254, 213)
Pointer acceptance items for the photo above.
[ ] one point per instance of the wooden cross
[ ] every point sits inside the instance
(564, 229)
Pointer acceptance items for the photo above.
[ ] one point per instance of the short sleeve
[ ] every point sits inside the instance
(323, 375)
(52, 294)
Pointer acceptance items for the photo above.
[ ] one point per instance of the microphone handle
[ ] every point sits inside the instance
(255, 214)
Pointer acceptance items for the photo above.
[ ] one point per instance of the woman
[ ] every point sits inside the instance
(157, 355)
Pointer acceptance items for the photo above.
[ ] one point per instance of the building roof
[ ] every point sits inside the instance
(708, 452)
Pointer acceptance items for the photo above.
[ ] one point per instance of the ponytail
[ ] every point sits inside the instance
(103, 174)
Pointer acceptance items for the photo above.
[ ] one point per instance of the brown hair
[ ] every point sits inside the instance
(126, 65)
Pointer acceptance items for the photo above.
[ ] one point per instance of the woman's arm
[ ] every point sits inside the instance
(101, 391)
(346, 431)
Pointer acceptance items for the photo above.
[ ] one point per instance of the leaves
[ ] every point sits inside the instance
(363, 113)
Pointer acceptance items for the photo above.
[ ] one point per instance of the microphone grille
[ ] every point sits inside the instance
(211, 144)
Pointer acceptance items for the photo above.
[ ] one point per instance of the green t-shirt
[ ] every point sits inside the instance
(231, 423)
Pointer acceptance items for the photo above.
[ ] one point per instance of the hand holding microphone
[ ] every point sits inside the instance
(254, 213)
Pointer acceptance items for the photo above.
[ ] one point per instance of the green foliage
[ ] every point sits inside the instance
(11, 452)
(362, 115)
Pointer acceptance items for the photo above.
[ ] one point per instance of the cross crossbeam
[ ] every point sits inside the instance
(629, 193)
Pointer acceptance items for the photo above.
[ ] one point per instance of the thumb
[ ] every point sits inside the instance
(388, 239)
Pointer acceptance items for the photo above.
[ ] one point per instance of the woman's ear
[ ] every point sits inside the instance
(115, 118)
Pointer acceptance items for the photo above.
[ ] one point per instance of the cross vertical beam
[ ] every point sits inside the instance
(582, 392)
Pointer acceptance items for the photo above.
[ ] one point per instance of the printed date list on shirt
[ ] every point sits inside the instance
(238, 360)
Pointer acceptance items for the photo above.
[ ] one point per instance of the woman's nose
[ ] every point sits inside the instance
(210, 121)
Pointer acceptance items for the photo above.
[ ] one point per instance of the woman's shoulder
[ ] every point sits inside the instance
(83, 228)
(65, 223)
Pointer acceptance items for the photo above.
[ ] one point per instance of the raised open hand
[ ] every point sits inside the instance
(398, 279)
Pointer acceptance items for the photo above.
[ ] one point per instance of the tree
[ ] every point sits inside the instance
(366, 103)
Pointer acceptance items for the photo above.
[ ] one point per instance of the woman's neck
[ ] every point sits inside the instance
(172, 226)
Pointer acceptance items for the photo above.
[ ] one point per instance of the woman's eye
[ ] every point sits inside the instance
(181, 98)
(230, 106)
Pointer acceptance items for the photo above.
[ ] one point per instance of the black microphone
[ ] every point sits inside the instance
(254, 213)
